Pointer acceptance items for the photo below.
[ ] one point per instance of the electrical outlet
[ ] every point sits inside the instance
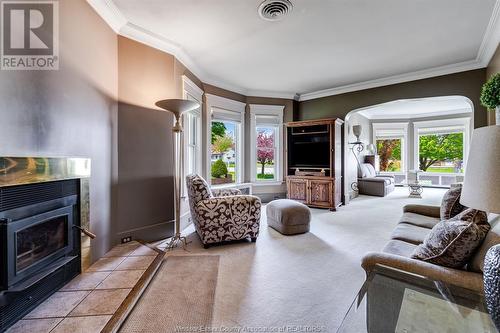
(126, 239)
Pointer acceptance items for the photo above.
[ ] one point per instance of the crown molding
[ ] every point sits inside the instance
(407, 77)
(109, 13)
(120, 24)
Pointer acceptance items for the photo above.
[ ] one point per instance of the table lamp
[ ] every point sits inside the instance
(481, 190)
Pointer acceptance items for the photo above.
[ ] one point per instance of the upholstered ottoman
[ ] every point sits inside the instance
(288, 217)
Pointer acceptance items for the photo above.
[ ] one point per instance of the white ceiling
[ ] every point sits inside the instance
(419, 108)
(323, 44)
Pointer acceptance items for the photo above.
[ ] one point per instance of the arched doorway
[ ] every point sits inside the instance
(409, 118)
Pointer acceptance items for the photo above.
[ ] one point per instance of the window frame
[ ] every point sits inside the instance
(464, 122)
(277, 111)
(403, 128)
(192, 92)
(217, 104)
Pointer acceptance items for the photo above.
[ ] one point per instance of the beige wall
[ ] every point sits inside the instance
(493, 68)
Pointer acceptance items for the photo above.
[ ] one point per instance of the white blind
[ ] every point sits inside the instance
(267, 120)
(221, 114)
(394, 133)
(442, 130)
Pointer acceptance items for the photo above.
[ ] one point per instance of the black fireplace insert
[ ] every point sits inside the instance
(40, 244)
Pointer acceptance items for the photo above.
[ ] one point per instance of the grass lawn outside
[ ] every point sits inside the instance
(441, 169)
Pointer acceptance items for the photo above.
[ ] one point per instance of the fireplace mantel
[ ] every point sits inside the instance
(30, 170)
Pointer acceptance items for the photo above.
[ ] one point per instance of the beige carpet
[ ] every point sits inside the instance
(179, 298)
(305, 281)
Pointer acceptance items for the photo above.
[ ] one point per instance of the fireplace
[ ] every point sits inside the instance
(40, 244)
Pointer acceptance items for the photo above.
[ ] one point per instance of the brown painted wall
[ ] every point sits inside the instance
(69, 112)
(493, 68)
(144, 186)
(466, 84)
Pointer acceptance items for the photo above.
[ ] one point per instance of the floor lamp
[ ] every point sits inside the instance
(177, 107)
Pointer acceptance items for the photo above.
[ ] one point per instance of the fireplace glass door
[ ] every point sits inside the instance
(36, 242)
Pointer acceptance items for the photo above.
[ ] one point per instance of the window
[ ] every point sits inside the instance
(266, 137)
(225, 164)
(192, 124)
(440, 149)
(192, 135)
(391, 143)
(225, 155)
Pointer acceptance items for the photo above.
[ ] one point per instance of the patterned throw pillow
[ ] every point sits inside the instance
(452, 242)
(451, 206)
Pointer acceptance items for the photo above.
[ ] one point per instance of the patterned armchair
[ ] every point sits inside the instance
(223, 214)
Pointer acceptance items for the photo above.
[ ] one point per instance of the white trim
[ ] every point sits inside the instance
(465, 122)
(109, 13)
(188, 86)
(404, 145)
(119, 23)
(225, 103)
(270, 110)
(214, 101)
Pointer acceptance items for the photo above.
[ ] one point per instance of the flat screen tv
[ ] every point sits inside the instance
(310, 155)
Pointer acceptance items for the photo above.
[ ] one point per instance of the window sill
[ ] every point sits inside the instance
(270, 183)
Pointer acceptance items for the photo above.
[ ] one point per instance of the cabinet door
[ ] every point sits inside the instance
(320, 193)
(297, 189)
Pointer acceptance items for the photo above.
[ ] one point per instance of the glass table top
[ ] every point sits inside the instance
(395, 301)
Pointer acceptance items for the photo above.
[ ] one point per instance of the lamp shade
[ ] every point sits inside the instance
(356, 130)
(481, 189)
(177, 106)
(371, 149)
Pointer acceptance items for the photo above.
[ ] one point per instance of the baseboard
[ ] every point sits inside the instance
(150, 233)
(186, 220)
(267, 197)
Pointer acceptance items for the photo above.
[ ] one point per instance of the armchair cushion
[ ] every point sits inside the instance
(224, 192)
(228, 218)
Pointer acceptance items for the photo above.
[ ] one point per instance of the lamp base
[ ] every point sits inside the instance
(175, 241)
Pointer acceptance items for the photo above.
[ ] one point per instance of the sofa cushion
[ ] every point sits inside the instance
(492, 238)
(451, 243)
(399, 248)
(450, 205)
(366, 170)
(410, 233)
(419, 220)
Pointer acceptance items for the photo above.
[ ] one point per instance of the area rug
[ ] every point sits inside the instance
(181, 295)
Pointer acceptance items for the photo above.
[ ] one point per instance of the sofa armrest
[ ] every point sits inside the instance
(465, 279)
(225, 192)
(385, 176)
(432, 211)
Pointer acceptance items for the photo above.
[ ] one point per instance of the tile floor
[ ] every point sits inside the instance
(88, 302)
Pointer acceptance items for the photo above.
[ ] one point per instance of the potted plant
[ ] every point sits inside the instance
(490, 95)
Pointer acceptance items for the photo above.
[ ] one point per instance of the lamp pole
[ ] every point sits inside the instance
(177, 107)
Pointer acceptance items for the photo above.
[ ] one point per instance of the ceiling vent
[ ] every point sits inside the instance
(275, 10)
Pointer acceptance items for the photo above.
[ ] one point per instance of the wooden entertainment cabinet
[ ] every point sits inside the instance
(314, 162)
